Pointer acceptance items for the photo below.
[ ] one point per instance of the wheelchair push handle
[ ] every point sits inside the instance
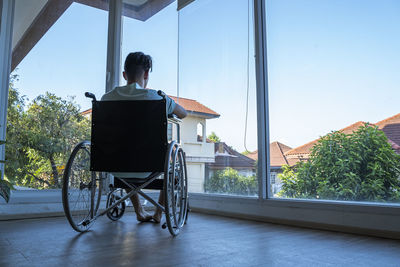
(162, 94)
(90, 95)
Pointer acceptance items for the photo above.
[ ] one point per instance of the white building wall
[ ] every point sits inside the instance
(197, 153)
(196, 177)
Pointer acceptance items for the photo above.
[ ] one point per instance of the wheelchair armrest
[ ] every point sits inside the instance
(173, 118)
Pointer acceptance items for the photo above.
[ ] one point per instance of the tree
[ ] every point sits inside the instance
(229, 181)
(41, 138)
(5, 186)
(214, 137)
(361, 166)
(15, 156)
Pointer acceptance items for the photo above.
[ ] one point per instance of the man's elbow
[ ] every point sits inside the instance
(184, 113)
(180, 112)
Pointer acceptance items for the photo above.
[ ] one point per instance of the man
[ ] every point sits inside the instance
(136, 72)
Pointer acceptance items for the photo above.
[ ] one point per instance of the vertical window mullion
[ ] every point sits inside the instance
(114, 44)
(262, 98)
(6, 27)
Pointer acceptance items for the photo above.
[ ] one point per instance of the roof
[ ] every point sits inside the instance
(226, 156)
(391, 128)
(391, 120)
(192, 107)
(86, 112)
(305, 149)
(277, 154)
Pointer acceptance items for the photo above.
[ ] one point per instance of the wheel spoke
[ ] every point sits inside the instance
(81, 188)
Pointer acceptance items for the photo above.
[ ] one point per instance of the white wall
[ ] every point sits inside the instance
(196, 177)
(197, 153)
(25, 12)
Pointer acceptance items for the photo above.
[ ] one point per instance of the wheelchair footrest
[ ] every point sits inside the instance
(157, 184)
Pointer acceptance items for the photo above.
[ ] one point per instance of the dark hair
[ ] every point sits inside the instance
(136, 64)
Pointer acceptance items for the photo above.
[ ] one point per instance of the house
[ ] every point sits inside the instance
(193, 131)
(227, 157)
(390, 126)
(277, 159)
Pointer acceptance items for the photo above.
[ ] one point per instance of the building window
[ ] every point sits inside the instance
(273, 177)
(200, 132)
(169, 132)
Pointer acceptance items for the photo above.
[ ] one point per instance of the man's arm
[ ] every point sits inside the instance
(179, 111)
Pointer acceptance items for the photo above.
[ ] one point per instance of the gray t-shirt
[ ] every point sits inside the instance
(134, 92)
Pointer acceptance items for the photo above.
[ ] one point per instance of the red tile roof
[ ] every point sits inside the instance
(391, 128)
(192, 106)
(86, 112)
(277, 154)
(304, 150)
(391, 120)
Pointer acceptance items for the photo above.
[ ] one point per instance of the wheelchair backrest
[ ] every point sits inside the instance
(129, 136)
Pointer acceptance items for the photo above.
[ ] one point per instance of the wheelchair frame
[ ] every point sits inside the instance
(174, 184)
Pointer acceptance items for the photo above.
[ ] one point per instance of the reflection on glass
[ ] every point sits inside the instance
(216, 81)
(333, 85)
(57, 55)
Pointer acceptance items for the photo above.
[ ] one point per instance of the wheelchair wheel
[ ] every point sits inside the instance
(116, 213)
(176, 189)
(81, 192)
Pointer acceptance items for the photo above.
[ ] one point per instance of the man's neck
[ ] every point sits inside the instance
(141, 83)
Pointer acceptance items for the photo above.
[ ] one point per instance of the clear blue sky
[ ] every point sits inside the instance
(331, 63)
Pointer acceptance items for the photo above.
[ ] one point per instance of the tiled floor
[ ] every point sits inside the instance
(205, 241)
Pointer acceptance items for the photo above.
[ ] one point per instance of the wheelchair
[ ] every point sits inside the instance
(126, 137)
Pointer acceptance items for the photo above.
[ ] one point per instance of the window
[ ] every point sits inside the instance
(217, 82)
(200, 132)
(273, 177)
(332, 91)
(145, 30)
(169, 133)
(57, 55)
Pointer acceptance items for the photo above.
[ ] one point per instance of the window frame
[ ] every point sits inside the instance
(380, 219)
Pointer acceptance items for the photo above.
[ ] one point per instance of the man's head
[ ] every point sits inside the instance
(137, 67)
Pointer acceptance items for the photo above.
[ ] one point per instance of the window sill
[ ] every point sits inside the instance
(375, 219)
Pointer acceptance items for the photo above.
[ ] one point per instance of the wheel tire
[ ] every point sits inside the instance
(81, 192)
(176, 189)
(116, 213)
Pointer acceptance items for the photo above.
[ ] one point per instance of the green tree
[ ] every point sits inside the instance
(15, 156)
(361, 166)
(214, 137)
(5, 186)
(229, 181)
(41, 137)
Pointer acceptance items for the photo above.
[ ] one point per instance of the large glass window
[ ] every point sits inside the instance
(333, 90)
(217, 85)
(58, 53)
(153, 30)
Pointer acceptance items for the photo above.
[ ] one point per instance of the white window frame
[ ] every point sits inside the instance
(6, 26)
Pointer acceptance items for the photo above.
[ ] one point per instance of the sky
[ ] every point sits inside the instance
(330, 63)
